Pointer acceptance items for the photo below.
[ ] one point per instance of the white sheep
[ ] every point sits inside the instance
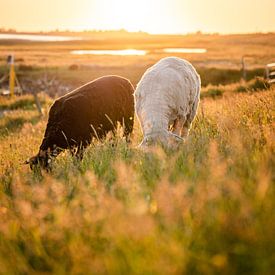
(166, 101)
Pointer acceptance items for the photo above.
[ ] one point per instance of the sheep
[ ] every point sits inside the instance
(166, 101)
(89, 111)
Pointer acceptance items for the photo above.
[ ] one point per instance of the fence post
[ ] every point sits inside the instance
(37, 103)
(243, 69)
(267, 72)
(270, 72)
(12, 75)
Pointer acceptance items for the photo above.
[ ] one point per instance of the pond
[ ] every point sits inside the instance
(137, 52)
(184, 50)
(110, 52)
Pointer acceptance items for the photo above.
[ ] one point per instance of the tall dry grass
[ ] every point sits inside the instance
(207, 208)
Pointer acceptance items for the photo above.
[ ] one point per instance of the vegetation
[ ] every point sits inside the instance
(213, 92)
(205, 209)
(258, 84)
(220, 64)
(26, 102)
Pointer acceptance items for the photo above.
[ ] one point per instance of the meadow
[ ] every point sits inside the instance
(206, 208)
(220, 64)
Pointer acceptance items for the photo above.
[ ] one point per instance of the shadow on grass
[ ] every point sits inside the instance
(15, 124)
(23, 103)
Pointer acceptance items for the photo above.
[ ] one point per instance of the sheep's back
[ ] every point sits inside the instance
(96, 103)
(169, 87)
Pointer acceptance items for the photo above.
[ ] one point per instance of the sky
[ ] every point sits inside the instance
(153, 16)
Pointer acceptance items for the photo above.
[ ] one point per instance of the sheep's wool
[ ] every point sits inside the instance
(167, 97)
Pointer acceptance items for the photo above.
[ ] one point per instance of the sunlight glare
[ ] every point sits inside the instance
(130, 15)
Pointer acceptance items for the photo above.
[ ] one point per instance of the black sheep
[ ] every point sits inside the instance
(89, 111)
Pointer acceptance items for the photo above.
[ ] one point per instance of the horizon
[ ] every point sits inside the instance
(85, 31)
(176, 17)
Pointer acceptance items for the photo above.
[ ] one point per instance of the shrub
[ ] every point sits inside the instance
(212, 92)
(73, 67)
(258, 84)
(25, 67)
(241, 89)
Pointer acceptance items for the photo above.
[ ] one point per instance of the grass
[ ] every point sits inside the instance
(259, 84)
(81, 74)
(25, 102)
(223, 76)
(206, 208)
(255, 85)
(17, 111)
(213, 92)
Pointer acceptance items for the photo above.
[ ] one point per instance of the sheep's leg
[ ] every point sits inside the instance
(128, 128)
(185, 129)
(178, 125)
(189, 119)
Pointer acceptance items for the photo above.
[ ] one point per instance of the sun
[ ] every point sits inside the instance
(154, 16)
(126, 14)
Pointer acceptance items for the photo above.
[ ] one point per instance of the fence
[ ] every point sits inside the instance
(270, 72)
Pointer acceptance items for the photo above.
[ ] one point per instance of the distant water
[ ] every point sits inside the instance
(184, 50)
(34, 37)
(110, 52)
(136, 52)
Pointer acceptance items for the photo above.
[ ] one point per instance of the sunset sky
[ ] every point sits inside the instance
(153, 16)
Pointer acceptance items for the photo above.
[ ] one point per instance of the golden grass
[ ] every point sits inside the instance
(205, 209)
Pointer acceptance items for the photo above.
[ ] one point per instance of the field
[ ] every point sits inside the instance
(221, 64)
(206, 208)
